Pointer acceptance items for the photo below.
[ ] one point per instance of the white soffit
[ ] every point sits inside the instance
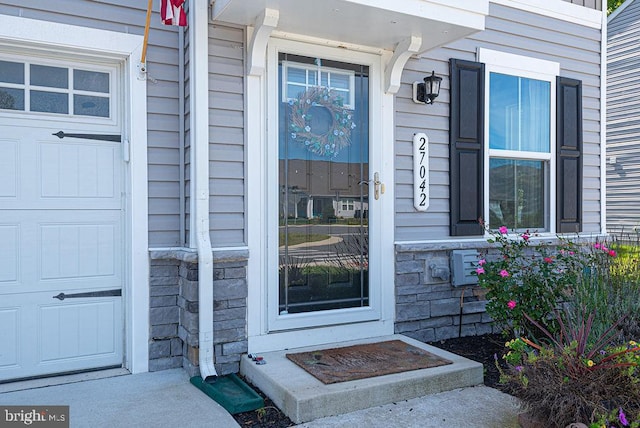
(376, 23)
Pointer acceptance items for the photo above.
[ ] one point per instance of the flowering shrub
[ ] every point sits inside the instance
(575, 376)
(523, 277)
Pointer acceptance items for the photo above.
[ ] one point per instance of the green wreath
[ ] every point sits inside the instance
(337, 137)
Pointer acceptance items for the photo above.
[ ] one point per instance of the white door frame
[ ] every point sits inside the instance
(127, 48)
(261, 125)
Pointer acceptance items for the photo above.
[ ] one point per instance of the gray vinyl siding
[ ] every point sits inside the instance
(623, 120)
(226, 136)
(576, 48)
(162, 95)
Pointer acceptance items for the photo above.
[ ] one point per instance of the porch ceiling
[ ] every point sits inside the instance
(374, 23)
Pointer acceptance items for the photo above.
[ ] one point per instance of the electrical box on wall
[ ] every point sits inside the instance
(464, 264)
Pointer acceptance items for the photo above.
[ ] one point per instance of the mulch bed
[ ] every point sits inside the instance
(483, 349)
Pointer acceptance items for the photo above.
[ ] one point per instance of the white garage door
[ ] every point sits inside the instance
(61, 218)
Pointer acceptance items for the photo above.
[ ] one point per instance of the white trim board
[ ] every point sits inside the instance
(558, 9)
(88, 42)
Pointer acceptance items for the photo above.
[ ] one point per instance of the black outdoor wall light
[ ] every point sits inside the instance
(425, 93)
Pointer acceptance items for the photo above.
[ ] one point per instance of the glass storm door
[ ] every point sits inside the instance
(323, 184)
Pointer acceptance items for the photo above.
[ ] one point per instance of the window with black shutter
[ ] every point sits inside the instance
(515, 145)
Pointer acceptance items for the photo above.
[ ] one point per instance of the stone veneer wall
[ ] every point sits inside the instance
(428, 308)
(174, 318)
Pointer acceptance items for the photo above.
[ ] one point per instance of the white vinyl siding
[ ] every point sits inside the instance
(623, 120)
(576, 48)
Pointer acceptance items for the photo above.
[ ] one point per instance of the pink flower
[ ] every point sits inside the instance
(612, 253)
(480, 270)
(511, 304)
(571, 253)
(597, 246)
(504, 273)
(482, 262)
(548, 260)
(525, 236)
(503, 230)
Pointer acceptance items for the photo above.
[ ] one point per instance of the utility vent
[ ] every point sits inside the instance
(464, 264)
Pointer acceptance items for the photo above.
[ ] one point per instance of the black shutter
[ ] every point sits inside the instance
(569, 155)
(466, 158)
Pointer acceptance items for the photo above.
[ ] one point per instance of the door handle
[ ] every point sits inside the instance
(378, 186)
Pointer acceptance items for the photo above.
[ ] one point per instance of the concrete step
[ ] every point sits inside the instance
(303, 398)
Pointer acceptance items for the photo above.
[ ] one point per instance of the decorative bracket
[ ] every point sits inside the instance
(403, 51)
(266, 22)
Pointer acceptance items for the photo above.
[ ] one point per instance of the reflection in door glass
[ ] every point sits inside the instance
(323, 208)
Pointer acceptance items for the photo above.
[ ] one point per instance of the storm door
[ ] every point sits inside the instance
(324, 190)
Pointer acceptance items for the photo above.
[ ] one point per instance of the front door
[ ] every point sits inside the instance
(61, 217)
(327, 193)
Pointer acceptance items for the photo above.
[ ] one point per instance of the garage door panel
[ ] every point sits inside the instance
(79, 330)
(8, 169)
(9, 337)
(78, 250)
(9, 253)
(78, 171)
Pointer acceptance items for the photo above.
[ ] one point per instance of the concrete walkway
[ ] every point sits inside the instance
(473, 407)
(158, 400)
(167, 399)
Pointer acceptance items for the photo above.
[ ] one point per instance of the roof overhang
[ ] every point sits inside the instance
(381, 24)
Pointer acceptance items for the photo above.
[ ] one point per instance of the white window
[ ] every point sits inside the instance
(520, 135)
(55, 89)
(298, 78)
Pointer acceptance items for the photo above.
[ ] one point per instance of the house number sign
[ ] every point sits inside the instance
(420, 171)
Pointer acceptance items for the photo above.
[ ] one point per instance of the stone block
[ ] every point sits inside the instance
(166, 315)
(220, 304)
(226, 289)
(229, 314)
(235, 348)
(189, 271)
(445, 307)
(189, 321)
(176, 347)
(164, 290)
(237, 303)
(236, 272)
(218, 273)
(161, 301)
(407, 279)
(482, 328)
(442, 333)
(170, 271)
(410, 298)
(409, 266)
(229, 335)
(229, 324)
(411, 312)
(427, 335)
(159, 349)
(436, 322)
(227, 368)
(475, 307)
(225, 359)
(468, 319)
(156, 281)
(403, 257)
(165, 364)
(163, 331)
(403, 327)
(189, 289)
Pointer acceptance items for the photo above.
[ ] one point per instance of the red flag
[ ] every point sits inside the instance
(172, 12)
